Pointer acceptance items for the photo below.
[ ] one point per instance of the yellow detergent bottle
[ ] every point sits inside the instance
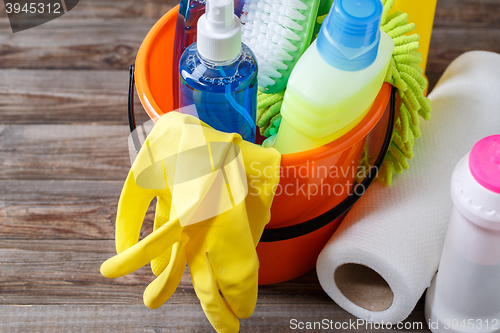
(335, 82)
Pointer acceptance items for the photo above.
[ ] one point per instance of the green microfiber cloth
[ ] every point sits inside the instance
(404, 73)
(268, 112)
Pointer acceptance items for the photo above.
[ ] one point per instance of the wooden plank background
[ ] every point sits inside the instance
(64, 156)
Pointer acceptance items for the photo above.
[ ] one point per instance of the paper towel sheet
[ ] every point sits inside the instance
(398, 231)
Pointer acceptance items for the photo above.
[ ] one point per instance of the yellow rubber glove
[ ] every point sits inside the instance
(214, 192)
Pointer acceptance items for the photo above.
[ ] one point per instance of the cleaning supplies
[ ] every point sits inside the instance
(337, 79)
(150, 80)
(278, 31)
(185, 33)
(395, 235)
(219, 73)
(466, 288)
(404, 73)
(213, 201)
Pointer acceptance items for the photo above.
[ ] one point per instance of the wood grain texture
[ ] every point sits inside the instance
(115, 9)
(470, 13)
(172, 318)
(67, 272)
(73, 44)
(87, 37)
(44, 271)
(65, 97)
(484, 13)
(63, 160)
(58, 209)
(448, 43)
(78, 152)
(60, 284)
(114, 44)
(94, 35)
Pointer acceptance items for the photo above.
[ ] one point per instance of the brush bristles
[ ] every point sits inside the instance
(272, 29)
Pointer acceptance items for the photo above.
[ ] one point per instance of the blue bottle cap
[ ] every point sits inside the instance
(349, 37)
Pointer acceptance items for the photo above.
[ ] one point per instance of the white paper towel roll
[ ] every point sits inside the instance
(396, 233)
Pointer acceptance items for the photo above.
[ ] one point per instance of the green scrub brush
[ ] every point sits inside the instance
(404, 73)
(278, 32)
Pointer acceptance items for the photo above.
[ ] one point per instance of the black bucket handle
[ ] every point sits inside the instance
(304, 228)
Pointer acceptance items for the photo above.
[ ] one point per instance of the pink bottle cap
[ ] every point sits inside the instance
(484, 162)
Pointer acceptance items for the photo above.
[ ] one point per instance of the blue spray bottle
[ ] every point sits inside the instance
(218, 73)
(185, 33)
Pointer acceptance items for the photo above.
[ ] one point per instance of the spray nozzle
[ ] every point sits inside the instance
(220, 15)
(219, 31)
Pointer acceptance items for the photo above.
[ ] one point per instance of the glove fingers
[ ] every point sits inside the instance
(218, 312)
(162, 216)
(160, 290)
(143, 252)
(132, 206)
(238, 283)
(234, 262)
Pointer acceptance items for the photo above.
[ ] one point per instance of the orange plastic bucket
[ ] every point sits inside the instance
(312, 182)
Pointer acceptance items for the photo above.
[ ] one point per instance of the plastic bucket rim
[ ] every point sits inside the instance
(359, 132)
(141, 66)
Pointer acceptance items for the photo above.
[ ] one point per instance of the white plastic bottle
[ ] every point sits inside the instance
(465, 294)
(337, 79)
